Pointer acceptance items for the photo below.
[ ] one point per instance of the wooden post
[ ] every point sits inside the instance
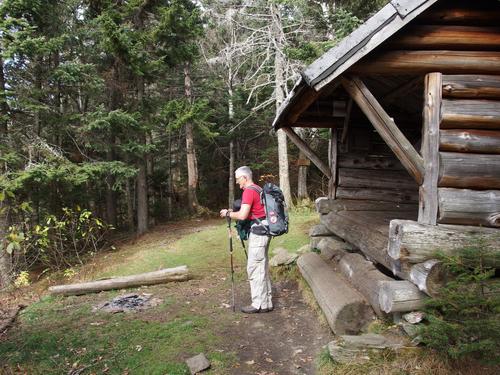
(428, 202)
(332, 163)
(386, 127)
(299, 142)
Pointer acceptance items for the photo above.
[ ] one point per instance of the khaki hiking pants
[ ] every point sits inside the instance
(258, 271)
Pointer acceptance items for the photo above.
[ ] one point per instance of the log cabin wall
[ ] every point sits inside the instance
(469, 151)
(367, 170)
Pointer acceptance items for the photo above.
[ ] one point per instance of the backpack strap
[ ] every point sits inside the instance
(258, 190)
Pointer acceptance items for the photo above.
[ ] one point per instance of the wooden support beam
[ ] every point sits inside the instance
(299, 142)
(471, 86)
(386, 127)
(428, 203)
(305, 100)
(332, 163)
(422, 62)
(462, 38)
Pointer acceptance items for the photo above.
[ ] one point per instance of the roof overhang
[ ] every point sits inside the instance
(377, 29)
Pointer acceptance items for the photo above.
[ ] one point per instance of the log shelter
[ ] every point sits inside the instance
(412, 101)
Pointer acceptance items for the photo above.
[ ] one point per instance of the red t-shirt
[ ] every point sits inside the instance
(252, 198)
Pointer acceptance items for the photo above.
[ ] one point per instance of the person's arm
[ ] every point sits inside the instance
(242, 214)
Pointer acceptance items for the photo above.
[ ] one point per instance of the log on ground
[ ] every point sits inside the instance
(180, 273)
(363, 275)
(400, 296)
(412, 242)
(429, 276)
(345, 309)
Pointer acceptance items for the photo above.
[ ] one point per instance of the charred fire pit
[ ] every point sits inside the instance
(128, 303)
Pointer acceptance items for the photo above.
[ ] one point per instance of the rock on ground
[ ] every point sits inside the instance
(282, 257)
(198, 363)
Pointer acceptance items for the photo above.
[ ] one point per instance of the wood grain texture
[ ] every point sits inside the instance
(345, 309)
(384, 195)
(422, 62)
(401, 296)
(471, 86)
(472, 171)
(469, 207)
(428, 202)
(470, 140)
(461, 38)
(471, 114)
(377, 179)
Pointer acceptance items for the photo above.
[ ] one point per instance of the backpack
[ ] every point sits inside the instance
(276, 213)
(274, 204)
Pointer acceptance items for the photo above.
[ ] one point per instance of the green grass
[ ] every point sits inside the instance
(57, 334)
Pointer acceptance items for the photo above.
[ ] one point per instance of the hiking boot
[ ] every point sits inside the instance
(252, 310)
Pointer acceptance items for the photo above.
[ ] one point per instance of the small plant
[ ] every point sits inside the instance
(464, 320)
(23, 279)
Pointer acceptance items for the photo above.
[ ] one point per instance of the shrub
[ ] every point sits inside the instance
(464, 319)
(58, 242)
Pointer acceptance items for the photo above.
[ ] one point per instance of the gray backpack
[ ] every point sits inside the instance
(273, 201)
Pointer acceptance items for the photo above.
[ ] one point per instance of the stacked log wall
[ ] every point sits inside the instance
(469, 151)
(374, 178)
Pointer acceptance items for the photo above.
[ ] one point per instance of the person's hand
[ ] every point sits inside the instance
(223, 212)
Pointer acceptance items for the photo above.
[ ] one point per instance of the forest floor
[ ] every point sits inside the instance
(64, 335)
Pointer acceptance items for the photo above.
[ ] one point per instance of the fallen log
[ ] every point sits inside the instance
(345, 309)
(180, 273)
(428, 276)
(400, 296)
(363, 275)
(412, 242)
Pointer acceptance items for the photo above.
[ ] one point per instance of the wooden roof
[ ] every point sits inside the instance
(381, 26)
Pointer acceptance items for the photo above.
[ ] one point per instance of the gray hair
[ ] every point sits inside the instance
(243, 171)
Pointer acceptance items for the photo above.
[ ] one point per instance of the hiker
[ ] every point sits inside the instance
(258, 242)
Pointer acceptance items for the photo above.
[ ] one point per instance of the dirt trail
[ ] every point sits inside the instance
(287, 340)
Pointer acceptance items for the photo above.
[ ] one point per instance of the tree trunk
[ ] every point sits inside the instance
(231, 173)
(142, 198)
(280, 97)
(302, 178)
(192, 165)
(4, 107)
(230, 104)
(110, 193)
(129, 194)
(5, 258)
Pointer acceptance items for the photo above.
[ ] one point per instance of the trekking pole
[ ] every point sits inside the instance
(244, 248)
(231, 256)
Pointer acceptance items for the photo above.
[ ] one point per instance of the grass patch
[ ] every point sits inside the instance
(58, 334)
